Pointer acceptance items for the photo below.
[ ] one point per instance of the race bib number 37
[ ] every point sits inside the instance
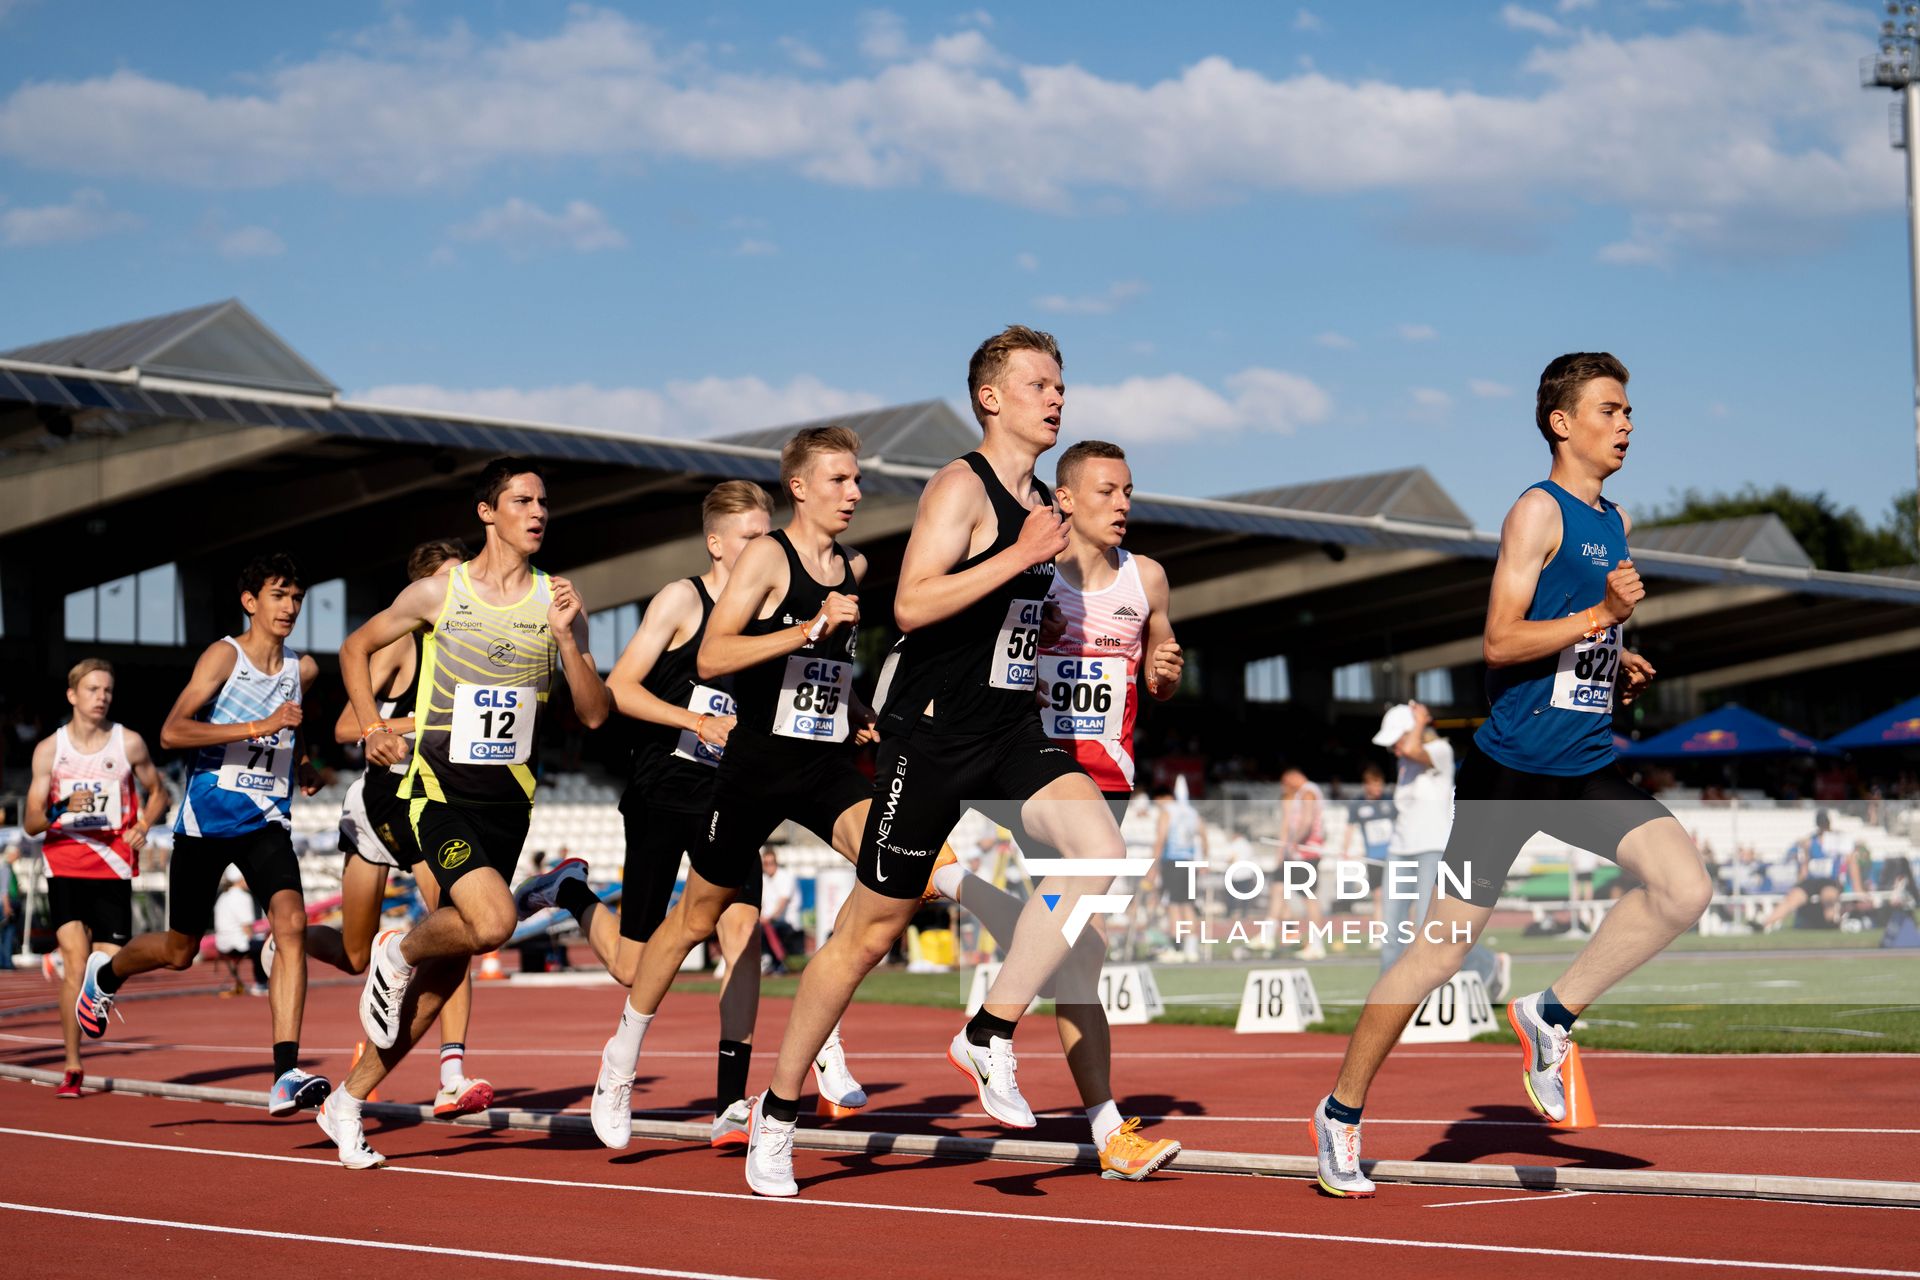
(103, 807)
(813, 700)
(1086, 698)
(703, 702)
(1014, 648)
(493, 724)
(1587, 671)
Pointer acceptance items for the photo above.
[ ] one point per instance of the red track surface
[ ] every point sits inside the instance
(547, 1199)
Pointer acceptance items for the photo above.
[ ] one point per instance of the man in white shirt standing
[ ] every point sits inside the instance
(1423, 803)
(233, 917)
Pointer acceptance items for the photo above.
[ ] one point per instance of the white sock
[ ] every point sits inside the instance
(453, 1064)
(624, 1050)
(948, 879)
(1105, 1120)
(395, 957)
(345, 1105)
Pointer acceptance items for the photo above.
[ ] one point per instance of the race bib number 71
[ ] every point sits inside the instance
(1588, 669)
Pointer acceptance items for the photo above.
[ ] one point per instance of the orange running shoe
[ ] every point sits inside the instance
(1131, 1157)
(941, 859)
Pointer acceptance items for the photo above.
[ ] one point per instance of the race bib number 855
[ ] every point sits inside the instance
(492, 724)
(1014, 648)
(1587, 671)
(813, 700)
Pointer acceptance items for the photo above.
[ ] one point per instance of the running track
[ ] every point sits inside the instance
(175, 1188)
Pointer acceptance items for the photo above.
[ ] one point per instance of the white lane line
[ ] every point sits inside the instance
(484, 1255)
(1536, 1198)
(1178, 1228)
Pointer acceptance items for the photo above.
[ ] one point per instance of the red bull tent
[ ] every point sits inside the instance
(1899, 727)
(1729, 731)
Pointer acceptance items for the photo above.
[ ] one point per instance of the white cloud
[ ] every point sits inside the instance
(1337, 341)
(1432, 400)
(1306, 20)
(705, 407)
(756, 248)
(522, 227)
(1488, 389)
(977, 18)
(883, 35)
(1026, 261)
(1751, 125)
(1416, 332)
(1569, 6)
(802, 54)
(1524, 19)
(1174, 406)
(1115, 296)
(85, 216)
(250, 242)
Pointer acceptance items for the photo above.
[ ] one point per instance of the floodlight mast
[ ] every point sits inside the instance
(1897, 66)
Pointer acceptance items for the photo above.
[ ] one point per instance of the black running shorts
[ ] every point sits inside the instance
(264, 856)
(923, 783)
(656, 840)
(104, 906)
(1496, 810)
(763, 782)
(458, 838)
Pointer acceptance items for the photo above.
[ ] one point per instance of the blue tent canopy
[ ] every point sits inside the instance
(1899, 727)
(1729, 731)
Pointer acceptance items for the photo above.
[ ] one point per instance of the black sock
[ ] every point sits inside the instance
(107, 980)
(785, 1110)
(286, 1056)
(1340, 1112)
(983, 1026)
(577, 898)
(731, 1081)
(1555, 1014)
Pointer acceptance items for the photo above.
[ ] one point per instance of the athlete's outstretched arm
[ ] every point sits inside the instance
(35, 820)
(674, 612)
(416, 606)
(568, 618)
(1164, 658)
(386, 667)
(951, 507)
(1528, 539)
(158, 801)
(760, 574)
(180, 730)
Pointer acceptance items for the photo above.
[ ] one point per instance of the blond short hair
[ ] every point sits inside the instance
(732, 498)
(812, 441)
(990, 358)
(86, 667)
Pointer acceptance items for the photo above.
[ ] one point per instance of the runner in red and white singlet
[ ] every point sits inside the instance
(1090, 679)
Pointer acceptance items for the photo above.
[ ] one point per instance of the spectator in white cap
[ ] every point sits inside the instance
(1423, 803)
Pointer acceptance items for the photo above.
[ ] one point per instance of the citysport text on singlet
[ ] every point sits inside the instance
(485, 673)
(91, 844)
(241, 787)
(1555, 716)
(672, 766)
(804, 696)
(1091, 676)
(978, 669)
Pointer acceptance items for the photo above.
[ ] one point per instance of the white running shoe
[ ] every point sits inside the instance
(612, 1106)
(463, 1097)
(383, 994)
(347, 1134)
(1502, 983)
(730, 1126)
(543, 890)
(992, 1071)
(840, 1094)
(268, 950)
(1545, 1048)
(1338, 1148)
(770, 1154)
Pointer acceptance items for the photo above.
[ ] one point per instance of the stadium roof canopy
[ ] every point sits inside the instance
(200, 437)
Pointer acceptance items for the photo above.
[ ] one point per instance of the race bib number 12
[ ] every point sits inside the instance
(1014, 648)
(1587, 671)
(492, 724)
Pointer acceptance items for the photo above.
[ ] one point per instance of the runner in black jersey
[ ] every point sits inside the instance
(784, 629)
(960, 730)
(376, 838)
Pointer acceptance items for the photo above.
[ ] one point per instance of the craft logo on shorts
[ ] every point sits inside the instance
(453, 854)
(501, 654)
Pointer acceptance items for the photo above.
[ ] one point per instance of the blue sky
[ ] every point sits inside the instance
(1277, 243)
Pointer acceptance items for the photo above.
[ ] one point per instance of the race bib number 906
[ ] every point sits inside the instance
(703, 702)
(1015, 647)
(1086, 698)
(813, 700)
(493, 724)
(1588, 669)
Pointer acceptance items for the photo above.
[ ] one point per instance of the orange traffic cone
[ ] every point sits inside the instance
(490, 970)
(360, 1047)
(1573, 1078)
